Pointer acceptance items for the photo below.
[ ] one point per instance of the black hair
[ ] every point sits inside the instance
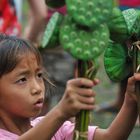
(11, 48)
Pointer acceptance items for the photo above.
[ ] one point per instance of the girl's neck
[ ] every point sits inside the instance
(15, 125)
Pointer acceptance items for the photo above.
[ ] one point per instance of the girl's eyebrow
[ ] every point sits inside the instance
(26, 72)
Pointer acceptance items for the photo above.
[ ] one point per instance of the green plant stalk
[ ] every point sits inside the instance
(83, 118)
(136, 69)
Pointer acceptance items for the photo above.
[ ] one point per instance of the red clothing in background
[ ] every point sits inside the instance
(129, 3)
(8, 19)
(61, 10)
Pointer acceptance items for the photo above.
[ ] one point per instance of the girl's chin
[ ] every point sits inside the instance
(36, 114)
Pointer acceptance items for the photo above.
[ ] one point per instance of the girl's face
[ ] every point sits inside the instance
(22, 90)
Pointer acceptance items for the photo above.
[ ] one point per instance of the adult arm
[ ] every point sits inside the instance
(36, 21)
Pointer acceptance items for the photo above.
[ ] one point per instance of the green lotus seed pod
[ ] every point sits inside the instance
(70, 46)
(90, 13)
(123, 24)
(51, 34)
(132, 20)
(117, 63)
(90, 43)
(117, 26)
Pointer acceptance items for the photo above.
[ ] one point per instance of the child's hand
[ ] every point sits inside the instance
(78, 95)
(130, 91)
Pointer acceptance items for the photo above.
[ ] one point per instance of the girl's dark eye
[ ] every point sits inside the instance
(22, 80)
(40, 75)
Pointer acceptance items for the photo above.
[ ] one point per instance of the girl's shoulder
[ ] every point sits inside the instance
(36, 120)
(6, 135)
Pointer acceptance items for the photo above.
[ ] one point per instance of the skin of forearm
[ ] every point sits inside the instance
(46, 129)
(34, 30)
(37, 20)
(122, 126)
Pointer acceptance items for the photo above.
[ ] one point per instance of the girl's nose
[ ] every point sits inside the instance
(36, 87)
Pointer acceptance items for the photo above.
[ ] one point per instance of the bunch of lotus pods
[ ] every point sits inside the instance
(124, 31)
(83, 32)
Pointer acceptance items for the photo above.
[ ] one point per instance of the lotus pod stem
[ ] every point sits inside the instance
(88, 70)
(136, 69)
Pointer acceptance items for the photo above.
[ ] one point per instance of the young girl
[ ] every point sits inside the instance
(22, 94)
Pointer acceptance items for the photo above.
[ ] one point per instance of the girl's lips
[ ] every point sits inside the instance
(39, 103)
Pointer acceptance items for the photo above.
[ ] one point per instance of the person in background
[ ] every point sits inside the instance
(11, 21)
(126, 4)
(36, 22)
